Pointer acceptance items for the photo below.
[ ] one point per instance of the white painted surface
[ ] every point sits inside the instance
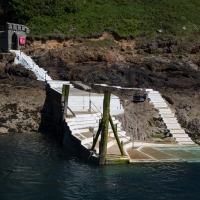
(81, 102)
(170, 121)
(29, 64)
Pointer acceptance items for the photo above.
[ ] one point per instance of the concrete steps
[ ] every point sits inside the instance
(84, 126)
(29, 64)
(169, 119)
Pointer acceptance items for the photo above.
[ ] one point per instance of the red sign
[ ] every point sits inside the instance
(22, 40)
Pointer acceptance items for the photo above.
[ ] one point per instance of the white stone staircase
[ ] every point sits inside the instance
(168, 117)
(29, 64)
(86, 122)
(85, 126)
(79, 102)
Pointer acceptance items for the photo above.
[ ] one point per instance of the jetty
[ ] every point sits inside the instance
(87, 123)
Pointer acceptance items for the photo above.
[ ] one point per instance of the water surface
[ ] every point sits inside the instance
(34, 166)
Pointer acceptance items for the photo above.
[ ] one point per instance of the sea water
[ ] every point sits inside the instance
(34, 166)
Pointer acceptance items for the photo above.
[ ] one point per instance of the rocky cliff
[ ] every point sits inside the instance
(22, 97)
(174, 72)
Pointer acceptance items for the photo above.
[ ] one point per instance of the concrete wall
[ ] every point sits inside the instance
(66, 138)
(7, 37)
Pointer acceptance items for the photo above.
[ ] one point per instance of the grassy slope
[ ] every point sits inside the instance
(126, 17)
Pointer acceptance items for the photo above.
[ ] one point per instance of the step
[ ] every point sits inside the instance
(87, 115)
(183, 139)
(165, 110)
(124, 139)
(186, 143)
(77, 123)
(179, 130)
(118, 127)
(87, 140)
(92, 123)
(170, 119)
(74, 119)
(165, 106)
(80, 126)
(159, 106)
(154, 92)
(111, 143)
(173, 119)
(173, 127)
(171, 123)
(165, 115)
(159, 103)
(148, 90)
(177, 135)
(128, 145)
(154, 95)
(79, 130)
(120, 134)
(156, 98)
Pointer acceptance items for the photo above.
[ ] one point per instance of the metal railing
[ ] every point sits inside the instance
(90, 108)
(71, 111)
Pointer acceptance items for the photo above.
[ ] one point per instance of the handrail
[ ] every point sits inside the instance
(102, 115)
(31, 65)
(97, 114)
(95, 107)
(71, 111)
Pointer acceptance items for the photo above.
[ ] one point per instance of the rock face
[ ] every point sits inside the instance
(22, 97)
(175, 76)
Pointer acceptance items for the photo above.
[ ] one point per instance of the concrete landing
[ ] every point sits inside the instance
(83, 124)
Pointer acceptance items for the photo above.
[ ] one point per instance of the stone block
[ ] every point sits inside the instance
(23, 28)
(9, 26)
(14, 27)
(19, 27)
(27, 30)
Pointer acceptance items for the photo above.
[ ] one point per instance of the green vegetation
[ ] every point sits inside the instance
(78, 18)
(117, 161)
(158, 136)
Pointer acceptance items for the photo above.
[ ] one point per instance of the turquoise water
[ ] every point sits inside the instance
(34, 166)
(189, 154)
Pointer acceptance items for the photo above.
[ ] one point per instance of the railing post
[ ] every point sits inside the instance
(90, 106)
(104, 133)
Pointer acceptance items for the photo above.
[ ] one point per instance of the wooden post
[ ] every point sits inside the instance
(104, 133)
(97, 136)
(63, 112)
(116, 136)
(64, 99)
